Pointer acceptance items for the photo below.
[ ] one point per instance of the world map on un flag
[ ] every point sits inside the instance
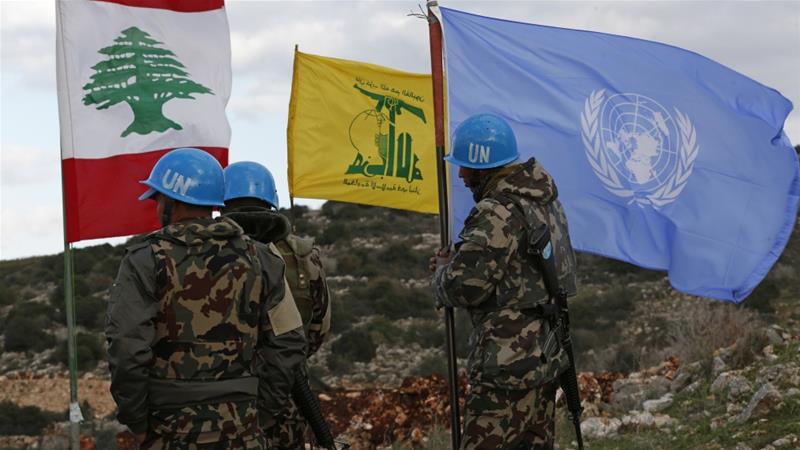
(639, 137)
(637, 148)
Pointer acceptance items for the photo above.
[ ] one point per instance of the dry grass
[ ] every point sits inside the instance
(709, 325)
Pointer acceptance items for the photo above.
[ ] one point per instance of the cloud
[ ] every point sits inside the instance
(22, 165)
(257, 103)
(28, 32)
(35, 229)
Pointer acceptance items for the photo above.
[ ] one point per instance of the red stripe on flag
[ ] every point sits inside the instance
(187, 6)
(101, 195)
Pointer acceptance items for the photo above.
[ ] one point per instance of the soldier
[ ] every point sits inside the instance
(252, 201)
(511, 403)
(199, 326)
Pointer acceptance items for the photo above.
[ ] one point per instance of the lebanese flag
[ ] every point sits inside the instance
(136, 79)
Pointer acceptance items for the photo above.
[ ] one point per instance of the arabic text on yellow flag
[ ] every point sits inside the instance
(361, 133)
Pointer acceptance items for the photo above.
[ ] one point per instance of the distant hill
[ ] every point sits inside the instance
(376, 260)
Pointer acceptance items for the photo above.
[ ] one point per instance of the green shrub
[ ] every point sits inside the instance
(90, 312)
(7, 295)
(342, 314)
(89, 347)
(338, 364)
(57, 296)
(394, 301)
(382, 296)
(23, 335)
(762, 296)
(27, 420)
(334, 232)
(383, 331)
(355, 345)
(431, 364)
(426, 334)
(24, 328)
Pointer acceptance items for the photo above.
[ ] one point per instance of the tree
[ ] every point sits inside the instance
(145, 77)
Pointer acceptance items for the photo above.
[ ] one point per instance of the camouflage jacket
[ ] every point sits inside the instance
(304, 271)
(496, 281)
(199, 314)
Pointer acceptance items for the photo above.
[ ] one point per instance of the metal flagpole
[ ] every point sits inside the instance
(435, 30)
(75, 416)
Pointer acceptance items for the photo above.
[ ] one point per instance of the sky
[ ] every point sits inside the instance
(760, 39)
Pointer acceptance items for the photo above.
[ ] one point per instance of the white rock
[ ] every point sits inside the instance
(734, 408)
(694, 387)
(681, 380)
(762, 402)
(785, 441)
(718, 366)
(599, 427)
(773, 336)
(738, 386)
(664, 421)
(638, 420)
(653, 406)
(720, 383)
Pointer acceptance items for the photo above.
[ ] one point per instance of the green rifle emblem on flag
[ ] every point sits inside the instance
(145, 77)
(396, 157)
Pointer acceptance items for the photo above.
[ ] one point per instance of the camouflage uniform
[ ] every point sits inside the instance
(511, 402)
(305, 277)
(200, 330)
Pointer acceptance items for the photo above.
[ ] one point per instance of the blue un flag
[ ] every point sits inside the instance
(663, 158)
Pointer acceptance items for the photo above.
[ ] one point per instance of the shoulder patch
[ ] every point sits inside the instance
(285, 317)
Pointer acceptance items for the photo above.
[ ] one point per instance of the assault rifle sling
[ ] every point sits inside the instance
(540, 248)
(309, 407)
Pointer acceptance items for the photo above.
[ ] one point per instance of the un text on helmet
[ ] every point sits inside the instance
(178, 183)
(479, 152)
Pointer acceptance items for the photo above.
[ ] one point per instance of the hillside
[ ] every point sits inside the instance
(636, 340)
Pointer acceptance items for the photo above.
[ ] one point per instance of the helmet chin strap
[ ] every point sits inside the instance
(166, 214)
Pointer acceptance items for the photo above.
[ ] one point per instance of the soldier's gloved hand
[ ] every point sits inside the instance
(441, 258)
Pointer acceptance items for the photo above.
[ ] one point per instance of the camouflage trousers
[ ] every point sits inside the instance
(286, 432)
(510, 419)
(220, 426)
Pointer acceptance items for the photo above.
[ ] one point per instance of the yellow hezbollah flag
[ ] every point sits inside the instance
(361, 133)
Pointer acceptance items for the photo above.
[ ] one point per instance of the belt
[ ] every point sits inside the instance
(180, 392)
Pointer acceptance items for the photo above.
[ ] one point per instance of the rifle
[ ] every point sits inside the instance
(557, 313)
(309, 407)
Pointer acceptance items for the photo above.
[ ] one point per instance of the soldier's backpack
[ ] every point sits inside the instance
(296, 252)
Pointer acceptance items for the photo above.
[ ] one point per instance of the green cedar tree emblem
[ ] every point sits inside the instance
(142, 75)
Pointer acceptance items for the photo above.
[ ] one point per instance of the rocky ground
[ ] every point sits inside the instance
(671, 405)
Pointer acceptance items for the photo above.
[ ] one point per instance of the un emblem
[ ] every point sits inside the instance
(637, 148)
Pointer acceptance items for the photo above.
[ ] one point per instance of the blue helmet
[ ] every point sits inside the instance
(483, 141)
(188, 175)
(250, 179)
